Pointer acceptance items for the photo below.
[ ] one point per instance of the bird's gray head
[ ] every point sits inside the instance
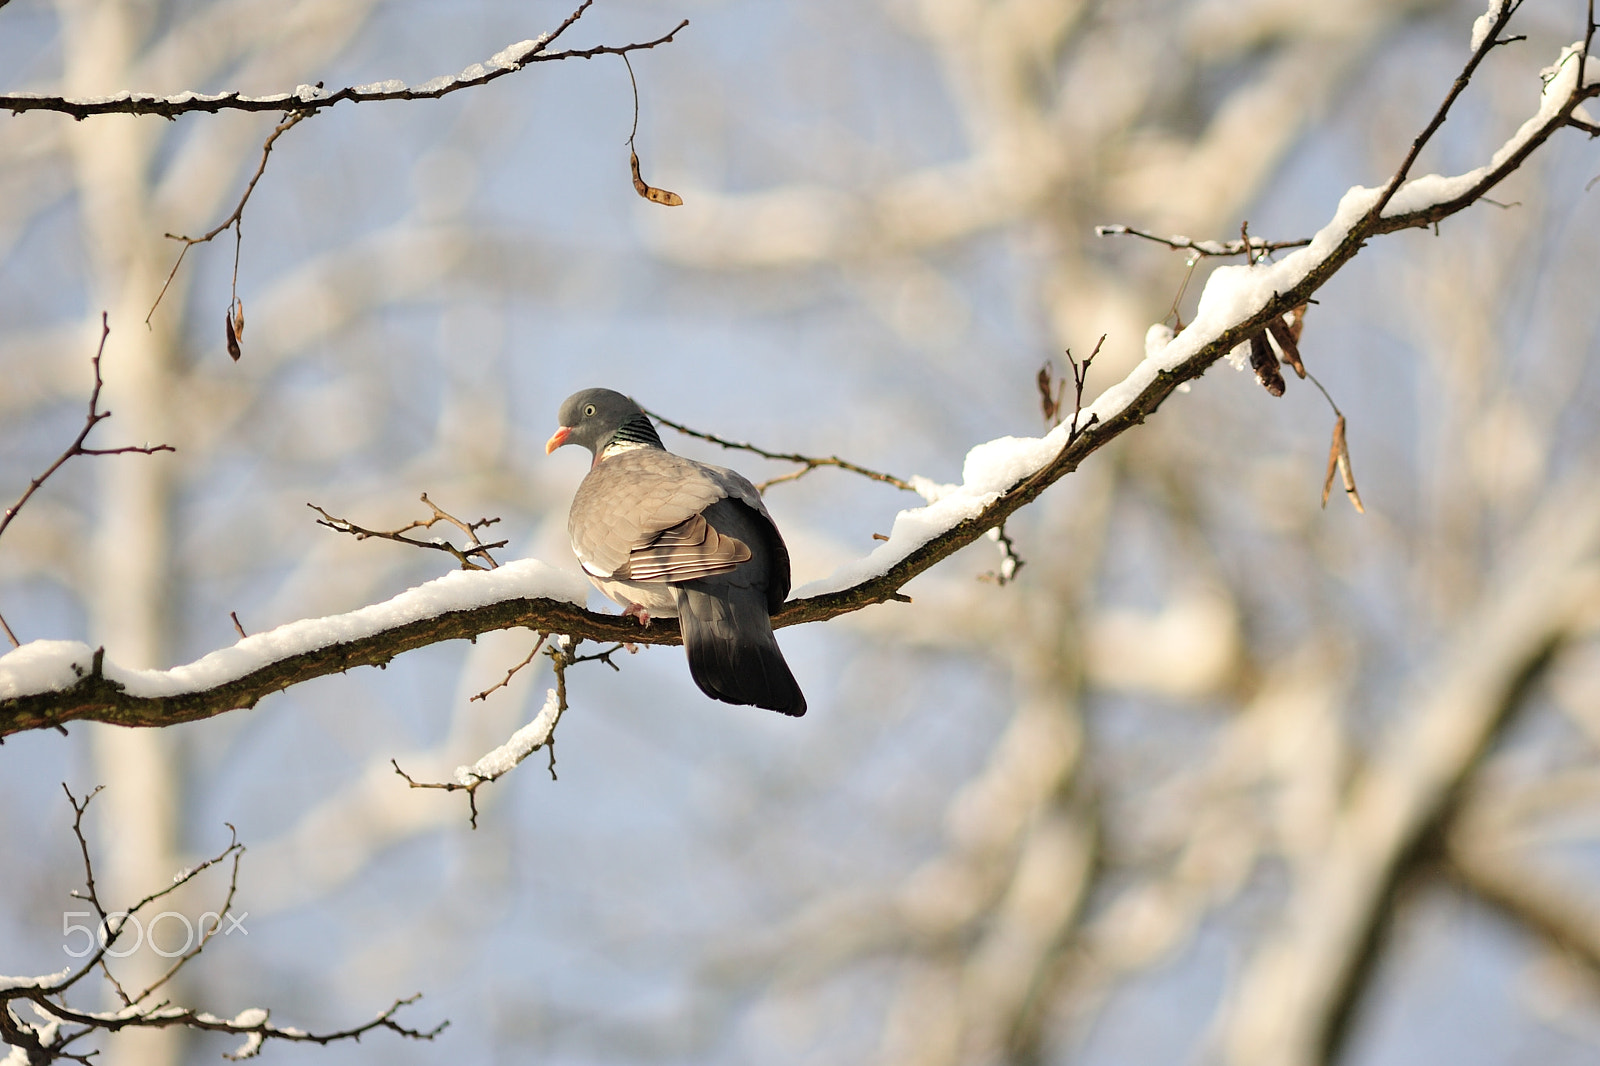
(599, 418)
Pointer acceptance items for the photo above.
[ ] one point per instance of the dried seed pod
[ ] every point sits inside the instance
(1286, 343)
(648, 191)
(1339, 459)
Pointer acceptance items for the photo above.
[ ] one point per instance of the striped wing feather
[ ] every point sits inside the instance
(688, 550)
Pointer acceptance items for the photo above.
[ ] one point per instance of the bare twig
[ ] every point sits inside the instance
(504, 681)
(235, 221)
(1204, 249)
(1080, 378)
(808, 462)
(12, 637)
(307, 98)
(95, 417)
(464, 555)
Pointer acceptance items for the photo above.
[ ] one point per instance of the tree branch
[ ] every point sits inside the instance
(94, 418)
(309, 98)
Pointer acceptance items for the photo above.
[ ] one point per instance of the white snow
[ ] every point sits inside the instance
(517, 53)
(989, 470)
(379, 88)
(1156, 338)
(52, 665)
(247, 1018)
(7, 984)
(1484, 22)
(519, 747)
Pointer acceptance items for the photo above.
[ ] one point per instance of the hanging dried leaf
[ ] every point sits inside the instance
(1265, 364)
(648, 191)
(1286, 343)
(233, 335)
(238, 319)
(1050, 395)
(1339, 459)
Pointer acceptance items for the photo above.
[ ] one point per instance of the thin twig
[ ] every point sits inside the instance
(234, 219)
(504, 681)
(808, 462)
(473, 548)
(1080, 377)
(1178, 242)
(95, 417)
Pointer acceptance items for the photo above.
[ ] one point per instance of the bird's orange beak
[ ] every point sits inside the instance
(557, 439)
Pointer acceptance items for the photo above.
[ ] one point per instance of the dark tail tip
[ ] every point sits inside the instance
(733, 655)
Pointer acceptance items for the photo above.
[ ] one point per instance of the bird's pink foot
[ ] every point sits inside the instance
(637, 610)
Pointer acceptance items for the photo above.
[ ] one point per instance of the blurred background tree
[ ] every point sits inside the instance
(1219, 776)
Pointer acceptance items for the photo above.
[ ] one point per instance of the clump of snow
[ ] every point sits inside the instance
(50, 666)
(517, 53)
(989, 470)
(49, 980)
(522, 743)
(43, 666)
(1156, 338)
(434, 85)
(378, 88)
(245, 1019)
(472, 73)
(307, 93)
(1485, 22)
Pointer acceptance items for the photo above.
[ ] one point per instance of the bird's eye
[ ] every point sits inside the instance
(588, 412)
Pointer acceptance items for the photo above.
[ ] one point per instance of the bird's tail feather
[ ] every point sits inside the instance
(733, 654)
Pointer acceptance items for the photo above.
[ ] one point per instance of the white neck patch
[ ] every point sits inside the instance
(617, 447)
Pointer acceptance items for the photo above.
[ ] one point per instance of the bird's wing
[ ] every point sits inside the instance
(640, 513)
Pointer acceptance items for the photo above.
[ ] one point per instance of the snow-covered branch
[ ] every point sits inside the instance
(309, 98)
(49, 683)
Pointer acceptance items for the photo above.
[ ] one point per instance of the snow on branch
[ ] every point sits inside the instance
(48, 683)
(308, 98)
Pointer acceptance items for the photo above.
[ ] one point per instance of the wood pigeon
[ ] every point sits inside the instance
(664, 535)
